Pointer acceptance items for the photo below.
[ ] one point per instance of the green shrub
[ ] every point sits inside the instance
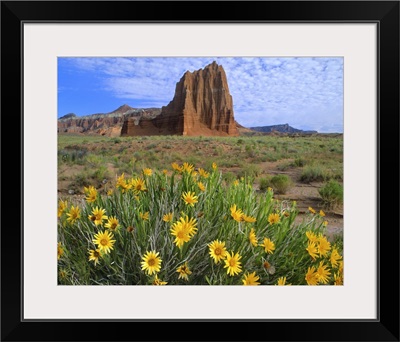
(265, 183)
(80, 180)
(250, 170)
(281, 183)
(331, 194)
(284, 166)
(313, 173)
(100, 174)
(229, 177)
(72, 155)
(250, 151)
(299, 162)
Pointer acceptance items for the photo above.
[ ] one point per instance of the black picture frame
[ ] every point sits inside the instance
(384, 13)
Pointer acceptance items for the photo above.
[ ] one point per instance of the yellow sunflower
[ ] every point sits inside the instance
(249, 219)
(112, 223)
(268, 245)
(203, 173)
(98, 215)
(184, 271)
(321, 213)
(311, 236)
(236, 213)
(312, 249)
(151, 262)
(233, 264)
(122, 183)
(183, 230)
(176, 167)
(335, 257)
(168, 217)
(311, 210)
(201, 186)
(91, 194)
(147, 172)
(144, 216)
(341, 266)
(251, 279)
(74, 214)
(273, 218)
(186, 167)
(253, 238)
(324, 246)
(121, 179)
(94, 255)
(323, 274)
(194, 175)
(104, 241)
(214, 166)
(311, 276)
(190, 198)
(338, 279)
(62, 205)
(159, 282)
(60, 250)
(138, 184)
(217, 250)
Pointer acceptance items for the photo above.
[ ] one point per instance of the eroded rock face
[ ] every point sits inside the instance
(202, 105)
(109, 124)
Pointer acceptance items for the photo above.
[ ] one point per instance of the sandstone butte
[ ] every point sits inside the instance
(202, 105)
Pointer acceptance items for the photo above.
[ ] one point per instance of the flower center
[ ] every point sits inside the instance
(113, 225)
(96, 254)
(232, 263)
(104, 242)
(181, 234)
(217, 251)
(151, 262)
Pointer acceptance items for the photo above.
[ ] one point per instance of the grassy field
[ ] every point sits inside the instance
(182, 197)
(90, 160)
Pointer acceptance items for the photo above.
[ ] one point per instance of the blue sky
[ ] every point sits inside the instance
(305, 92)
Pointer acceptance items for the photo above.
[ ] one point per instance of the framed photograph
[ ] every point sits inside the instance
(205, 152)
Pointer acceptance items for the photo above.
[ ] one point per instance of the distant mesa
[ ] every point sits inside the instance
(284, 128)
(107, 124)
